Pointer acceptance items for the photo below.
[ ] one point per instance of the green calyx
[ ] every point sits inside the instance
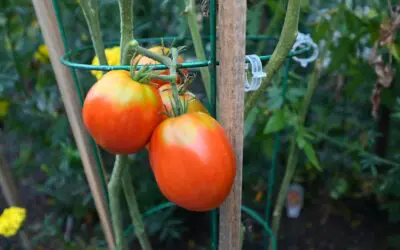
(146, 73)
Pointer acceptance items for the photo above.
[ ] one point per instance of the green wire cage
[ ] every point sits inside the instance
(212, 63)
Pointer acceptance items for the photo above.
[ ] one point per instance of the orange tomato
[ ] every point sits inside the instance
(143, 60)
(192, 161)
(193, 103)
(120, 113)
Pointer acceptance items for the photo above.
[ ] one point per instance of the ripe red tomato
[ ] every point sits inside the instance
(146, 60)
(192, 161)
(194, 104)
(120, 113)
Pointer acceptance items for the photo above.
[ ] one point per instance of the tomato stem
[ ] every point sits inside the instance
(286, 41)
(128, 51)
(114, 189)
(177, 104)
(126, 26)
(134, 211)
(133, 48)
(190, 12)
(293, 153)
(91, 12)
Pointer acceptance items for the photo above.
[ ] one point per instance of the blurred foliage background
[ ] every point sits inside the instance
(354, 119)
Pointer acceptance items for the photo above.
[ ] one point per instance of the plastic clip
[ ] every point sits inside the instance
(256, 73)
(303, 39)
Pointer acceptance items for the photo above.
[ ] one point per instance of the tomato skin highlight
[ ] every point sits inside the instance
(146, 60)
(194, 104)
(193, 161)
(120, 113)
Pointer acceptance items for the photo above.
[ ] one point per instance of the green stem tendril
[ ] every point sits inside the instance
(114, 189)
(126, 26)
(91, 12)
(293, 153)
(146, 73)
(177, 106)
(190, 12)
(285, 44)
(134, 211)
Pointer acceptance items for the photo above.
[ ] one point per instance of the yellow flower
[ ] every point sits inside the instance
(112, 56)
(11, 220)
(42, 54)
(84, 37)
(4, 105)
(34, 23)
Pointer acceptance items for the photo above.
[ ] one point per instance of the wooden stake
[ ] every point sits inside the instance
(52, 37)
(232, 41)
(7, 183)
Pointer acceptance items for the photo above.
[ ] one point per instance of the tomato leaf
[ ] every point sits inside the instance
(394, 50)
(300, 141)
(275, 123)
(275, 98)
(309, 151)
(253, 18)
(249, 122)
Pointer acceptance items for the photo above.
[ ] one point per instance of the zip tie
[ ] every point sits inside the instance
(256, 73)
(303, 39)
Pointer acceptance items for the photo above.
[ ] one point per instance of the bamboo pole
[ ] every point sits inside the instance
(232, 41)
(52, 37)
(7, 183)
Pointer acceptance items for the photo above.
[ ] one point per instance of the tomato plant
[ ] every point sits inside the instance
(193, 161)
(193, 104)
(143, 60)
(121, 113)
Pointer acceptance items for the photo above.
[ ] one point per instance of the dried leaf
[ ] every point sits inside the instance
(384, 72)
(389, 28)
(385, 33)
(375, 99)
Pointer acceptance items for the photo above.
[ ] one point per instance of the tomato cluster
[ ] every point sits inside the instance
(190, 154)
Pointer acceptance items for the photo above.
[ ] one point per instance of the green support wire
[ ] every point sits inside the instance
(213, 103)
(274, 163)
(79, 90)
(212, 64)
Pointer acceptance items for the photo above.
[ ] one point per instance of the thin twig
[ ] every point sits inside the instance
(285, 44)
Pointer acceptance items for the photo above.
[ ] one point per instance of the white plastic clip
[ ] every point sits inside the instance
(303, 39)
(256, 73)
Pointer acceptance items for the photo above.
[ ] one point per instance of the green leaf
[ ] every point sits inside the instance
(309, 151)
(394, 50)
(338, 188)
(275, 98)
(249, 122)
(253, 18)
(275, 123)
(300, 141)
(294, 94)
